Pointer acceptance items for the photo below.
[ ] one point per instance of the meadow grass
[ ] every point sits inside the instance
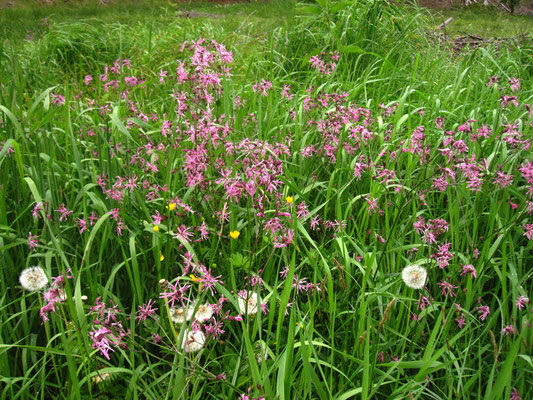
(233, 217)
(483, 22)
(26, 20)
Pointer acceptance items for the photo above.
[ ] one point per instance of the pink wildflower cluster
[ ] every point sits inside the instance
(10, 149)
(54, 295)
(107, 332)
(57, 99)
(431, 230)
(324, 63)
(300, 284)
(443, 255)
(198, 173)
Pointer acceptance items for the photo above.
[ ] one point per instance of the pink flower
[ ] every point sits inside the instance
(493, 80)
(521, 302)
(447, 288)
(443, 256)
(57, 99)
(92, 218)
(503, 180)
(162, 75)
(506, 100)
(286, 92)
(156, 218)
(468, 269)
(64, 212)
(315, 222)
(82, 224)
(514, 83)
(484, 132)
(175, 294)
(33, 243)
(204, 232)
(423, 302)
(461, 321)
(509, 330)
(372, 205)
(515, 395)
(214, 329)
(145, 311)
(263, 87)
(322, 66)
(440, 183)
(208, 281)
(429, 237)
(56, 294)
(483, 312)
(37, 209)
(103, 339)
(183, 232)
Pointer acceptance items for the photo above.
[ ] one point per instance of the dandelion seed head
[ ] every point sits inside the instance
(33, 278)
(179, 315)
(248, 303)
(100, 377)
(193, 341)
(414, 276)
(204, 312)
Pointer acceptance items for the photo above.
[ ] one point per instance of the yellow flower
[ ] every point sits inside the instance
(234, 234)
(161, 257)
(171, 206)
(156, 228)
(195, 279)
(289, 199)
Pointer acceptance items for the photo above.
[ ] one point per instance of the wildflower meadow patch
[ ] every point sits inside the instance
(317, 218)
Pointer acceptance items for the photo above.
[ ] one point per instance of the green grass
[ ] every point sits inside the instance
(482, 22)
(239, 161)
(26, 19)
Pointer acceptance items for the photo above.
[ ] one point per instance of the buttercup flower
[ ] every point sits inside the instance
(33, 278)
(234, 234)
(414, 276)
